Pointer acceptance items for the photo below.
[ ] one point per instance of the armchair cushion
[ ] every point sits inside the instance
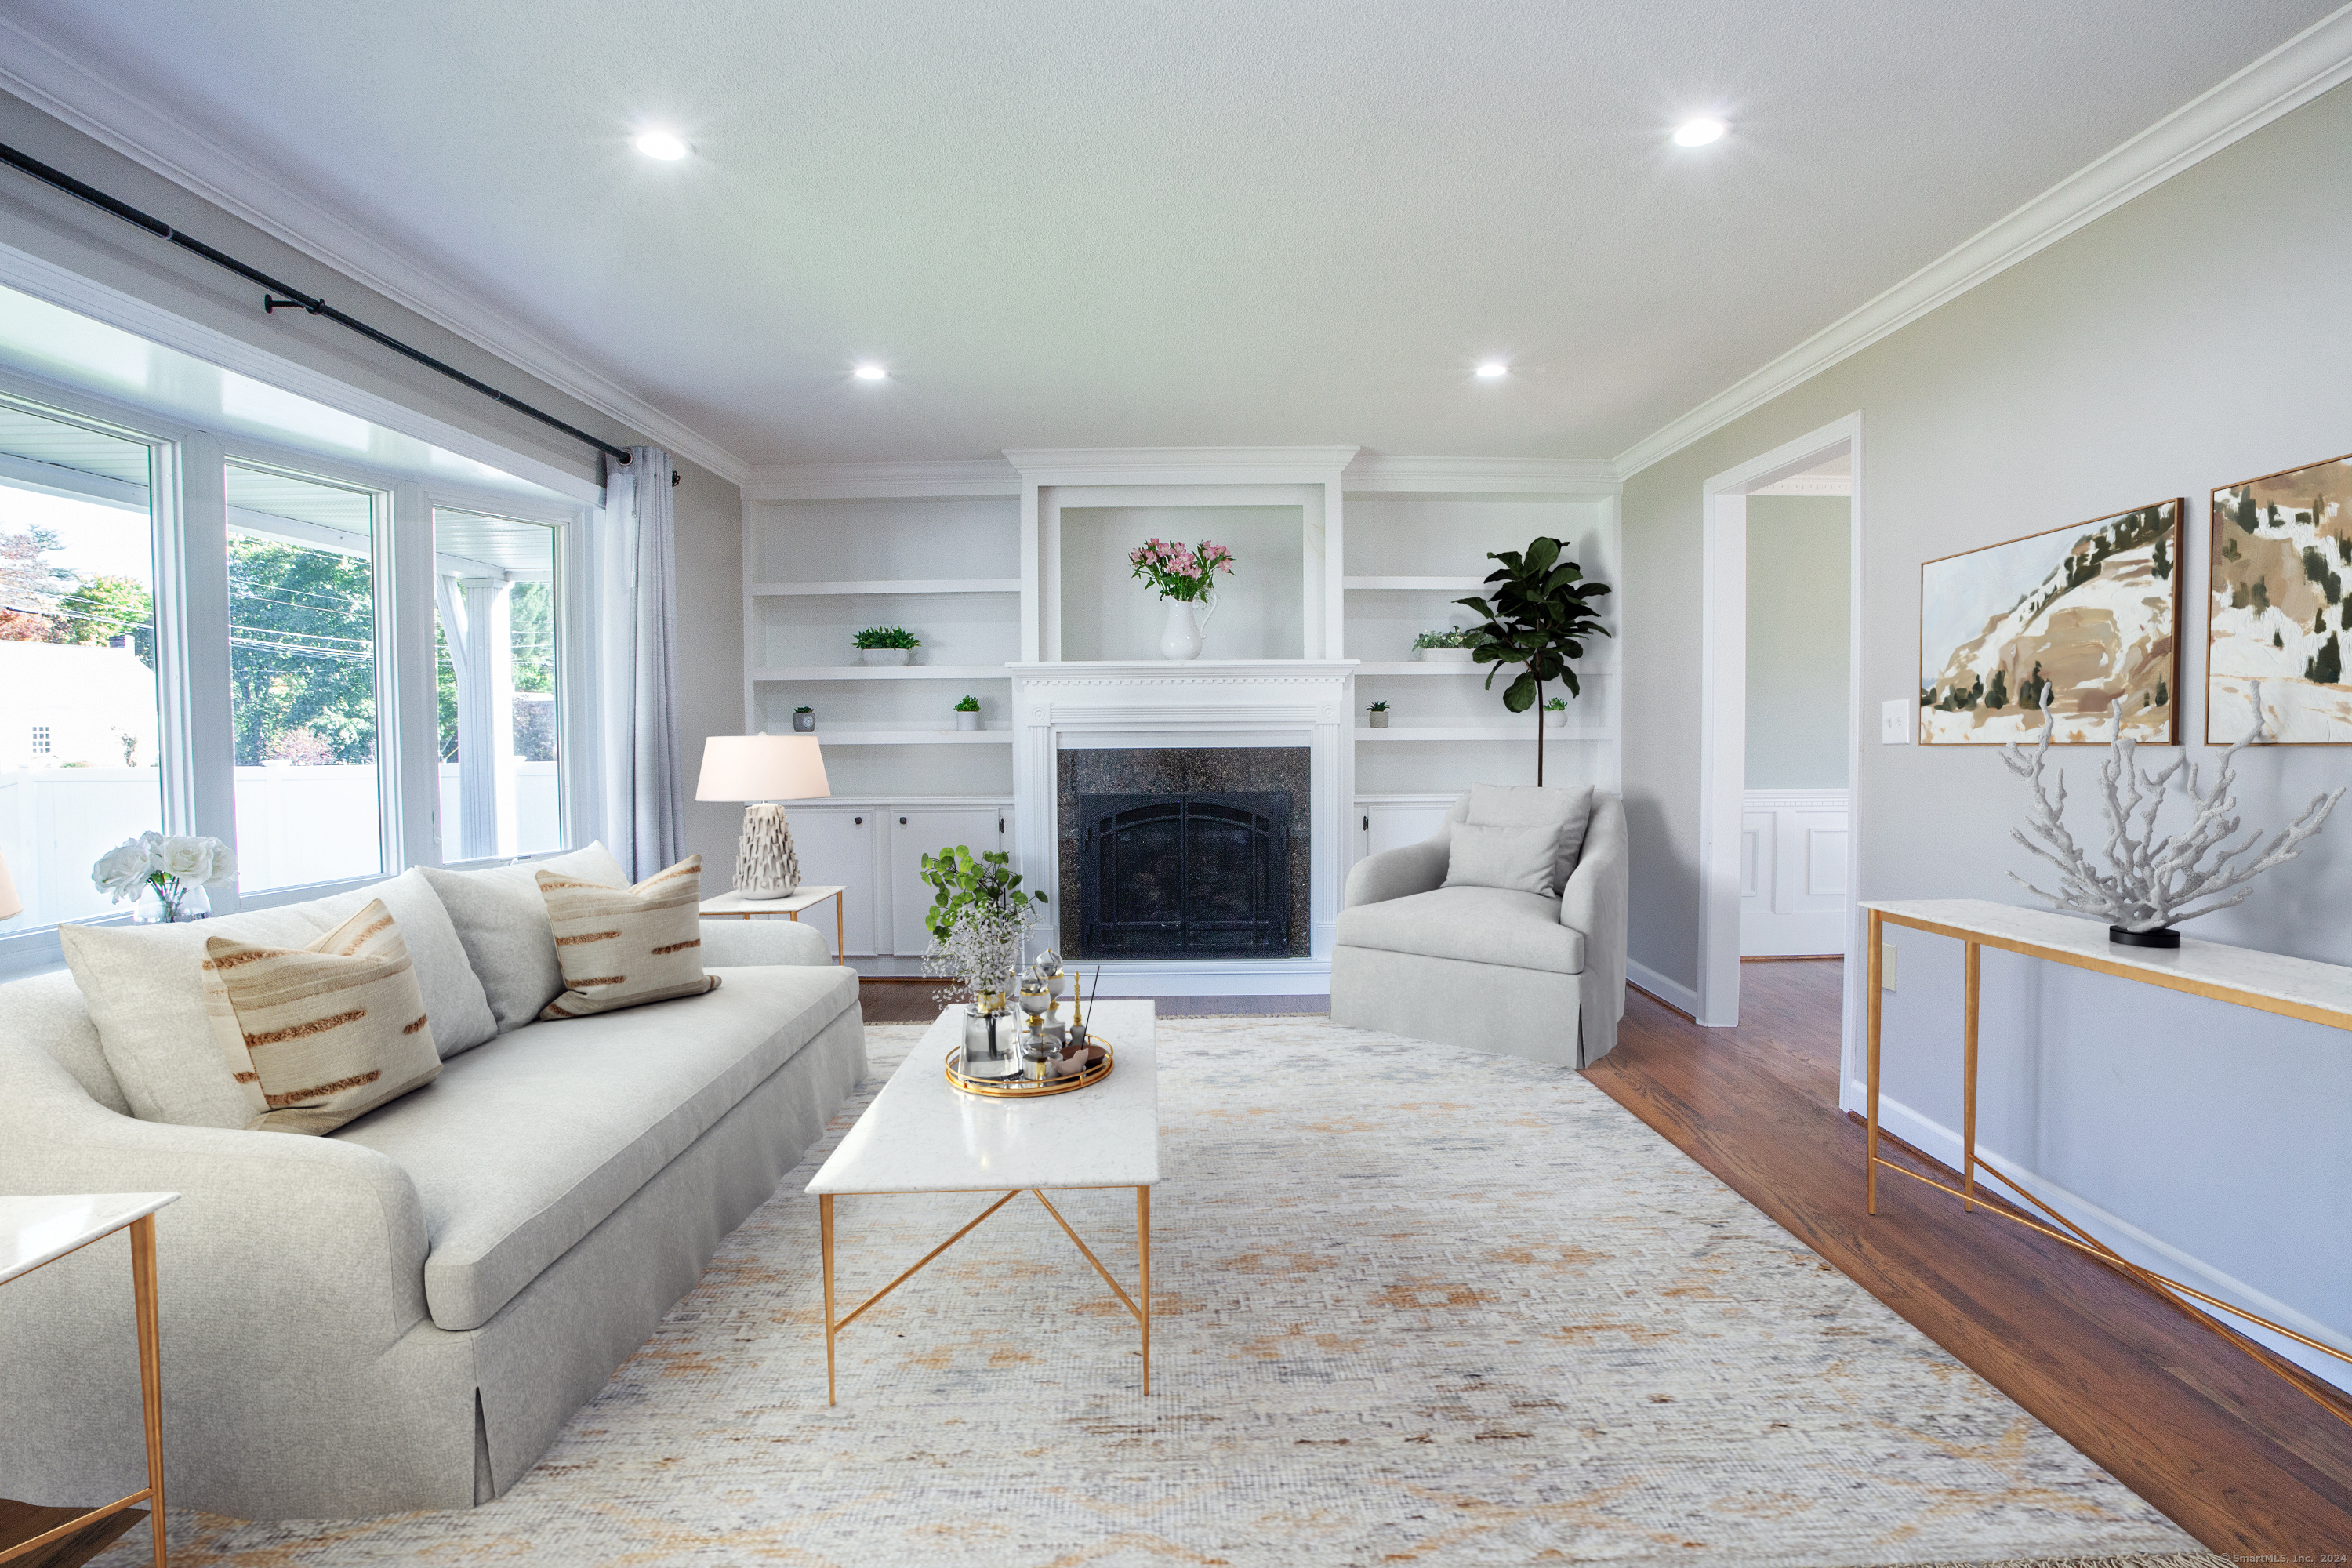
(1519, 859)
(1566, 811)
(1477, 925)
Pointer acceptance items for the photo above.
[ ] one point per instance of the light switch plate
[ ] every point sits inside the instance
(1894, 723)
(1887, 953)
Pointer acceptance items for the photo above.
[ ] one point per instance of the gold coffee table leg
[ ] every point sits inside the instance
(824, 1227)
(1143, 1250)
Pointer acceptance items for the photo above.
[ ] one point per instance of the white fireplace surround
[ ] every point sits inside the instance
(1211, 702)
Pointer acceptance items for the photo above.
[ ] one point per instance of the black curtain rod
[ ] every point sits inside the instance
(294, 298)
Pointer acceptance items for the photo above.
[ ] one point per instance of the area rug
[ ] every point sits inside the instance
(1413, 1305)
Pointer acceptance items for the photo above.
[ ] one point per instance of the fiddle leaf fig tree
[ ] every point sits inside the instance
(1537, 608)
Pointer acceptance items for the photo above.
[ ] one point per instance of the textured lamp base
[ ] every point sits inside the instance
(766, 865)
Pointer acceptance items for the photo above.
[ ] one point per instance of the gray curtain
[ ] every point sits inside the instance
(644, 803)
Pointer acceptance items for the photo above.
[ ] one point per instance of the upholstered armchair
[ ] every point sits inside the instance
(1534, 975)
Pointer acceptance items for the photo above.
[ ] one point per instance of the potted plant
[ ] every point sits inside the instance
(1538, 608)
(886, 645)
(980, 914)
(1182, 574)
(967, 713)
(1555, 713)
(1451, 646)
(803, 721)
(1378, 713)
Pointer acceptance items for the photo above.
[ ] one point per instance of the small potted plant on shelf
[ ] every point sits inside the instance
(1379, 714)
(1555, 713)
(967, 713)
(1451, 646)
(886, 645)
(803, 721)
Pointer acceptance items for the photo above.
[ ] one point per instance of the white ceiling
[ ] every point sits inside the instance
(1091, 224)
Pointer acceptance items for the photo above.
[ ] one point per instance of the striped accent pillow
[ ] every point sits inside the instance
(622, 947)
(322, 1034)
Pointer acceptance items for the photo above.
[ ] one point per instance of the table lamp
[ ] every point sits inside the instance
(11, 906)
(763, 771)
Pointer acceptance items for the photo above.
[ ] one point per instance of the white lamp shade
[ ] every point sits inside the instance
(761, 767)
(10, 904)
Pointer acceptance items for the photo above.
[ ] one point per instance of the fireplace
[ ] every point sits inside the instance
(1184, 876)
(1184, 852)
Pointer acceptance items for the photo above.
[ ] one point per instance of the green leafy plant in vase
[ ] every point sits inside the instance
(967, 713)
(803, 721)
(1555, 713)
(1378, 712)
(979, 917)
(1451, 646)
(886, 645)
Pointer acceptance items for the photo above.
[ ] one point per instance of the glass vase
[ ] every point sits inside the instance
(170, 905)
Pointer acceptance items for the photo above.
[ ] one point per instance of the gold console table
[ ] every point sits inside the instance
(2266, 982)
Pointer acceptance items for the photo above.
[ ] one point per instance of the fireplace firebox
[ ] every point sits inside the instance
(1184, 875)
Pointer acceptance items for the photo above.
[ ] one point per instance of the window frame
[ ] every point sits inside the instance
(188, 511)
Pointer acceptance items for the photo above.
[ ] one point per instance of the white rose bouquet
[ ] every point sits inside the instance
(172, 868)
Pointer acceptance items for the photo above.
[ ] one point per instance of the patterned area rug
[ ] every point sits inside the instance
(1414, 1305)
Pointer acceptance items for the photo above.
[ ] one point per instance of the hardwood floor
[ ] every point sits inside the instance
(2228, 1451)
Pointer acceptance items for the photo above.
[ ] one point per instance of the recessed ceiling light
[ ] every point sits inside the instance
(1699, 132)
(663, 145)
(871, 373)
(1493, 368)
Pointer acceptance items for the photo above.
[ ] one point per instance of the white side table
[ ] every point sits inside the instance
(731, 905)
(34, 1231)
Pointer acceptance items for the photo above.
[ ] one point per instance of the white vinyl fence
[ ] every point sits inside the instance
(294, 824)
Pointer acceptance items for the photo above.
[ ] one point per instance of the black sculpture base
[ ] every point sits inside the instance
(2162, 936)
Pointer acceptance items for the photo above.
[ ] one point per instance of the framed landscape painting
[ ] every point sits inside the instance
(2086, 617)
(2282, 562)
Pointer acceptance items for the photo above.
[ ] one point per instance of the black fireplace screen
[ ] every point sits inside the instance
(1185, 876)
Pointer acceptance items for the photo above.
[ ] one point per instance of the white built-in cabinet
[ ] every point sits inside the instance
(939, 549)
(873, 850)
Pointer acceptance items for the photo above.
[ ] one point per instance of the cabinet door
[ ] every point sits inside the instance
(1393, 825)
(918, 831)
(837, 845)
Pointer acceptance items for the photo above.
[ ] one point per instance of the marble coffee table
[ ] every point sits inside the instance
(922, 1136)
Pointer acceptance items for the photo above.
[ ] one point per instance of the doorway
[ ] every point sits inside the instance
(1778, 813)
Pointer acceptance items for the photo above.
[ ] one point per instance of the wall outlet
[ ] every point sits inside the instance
(1894, 723)
(1888, 953)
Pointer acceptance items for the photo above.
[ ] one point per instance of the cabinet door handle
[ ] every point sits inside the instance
(999, 824)
(856, 822)
(1368, 824)
(902, 822)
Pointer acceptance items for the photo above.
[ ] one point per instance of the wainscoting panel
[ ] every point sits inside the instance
(1793, 884)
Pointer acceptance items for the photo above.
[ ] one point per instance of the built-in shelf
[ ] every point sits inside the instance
(889, 585)
(1477, 732)
(913, 737)
(1414, 584)
(1419, 667)
(878, 672)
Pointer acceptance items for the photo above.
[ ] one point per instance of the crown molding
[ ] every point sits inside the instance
(869, 482)
(2306, 66)
(1149, 465)
(104, 110)
(1472, 476)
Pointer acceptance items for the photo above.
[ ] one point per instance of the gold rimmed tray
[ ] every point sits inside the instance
(1026, 1089)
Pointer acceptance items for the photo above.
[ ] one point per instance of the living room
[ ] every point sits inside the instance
(1458, 556)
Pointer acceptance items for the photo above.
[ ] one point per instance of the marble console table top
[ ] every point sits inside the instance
(34, 1231)
(2274, 983)
(922, 1136)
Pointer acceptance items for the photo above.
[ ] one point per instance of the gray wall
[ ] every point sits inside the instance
(57, 228)
(1800, 571)
(2194, 337)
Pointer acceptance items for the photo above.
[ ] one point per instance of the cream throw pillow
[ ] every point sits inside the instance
(1566, 811)
(622, 947)
(1517, 859)
(322, 1034)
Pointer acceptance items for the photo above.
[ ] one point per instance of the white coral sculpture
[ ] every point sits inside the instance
(2153, 881)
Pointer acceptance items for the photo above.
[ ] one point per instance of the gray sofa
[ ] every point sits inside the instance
(1500, 970)
(403, 1313)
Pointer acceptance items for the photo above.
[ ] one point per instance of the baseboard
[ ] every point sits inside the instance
(1673, 992)
(1938, 1142)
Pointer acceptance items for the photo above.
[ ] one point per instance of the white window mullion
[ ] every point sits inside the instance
(191, 654)
(409, 722)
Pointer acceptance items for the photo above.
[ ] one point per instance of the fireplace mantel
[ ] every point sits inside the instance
(1204, 702)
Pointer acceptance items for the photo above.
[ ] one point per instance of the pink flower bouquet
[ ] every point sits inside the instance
(1178, 571)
